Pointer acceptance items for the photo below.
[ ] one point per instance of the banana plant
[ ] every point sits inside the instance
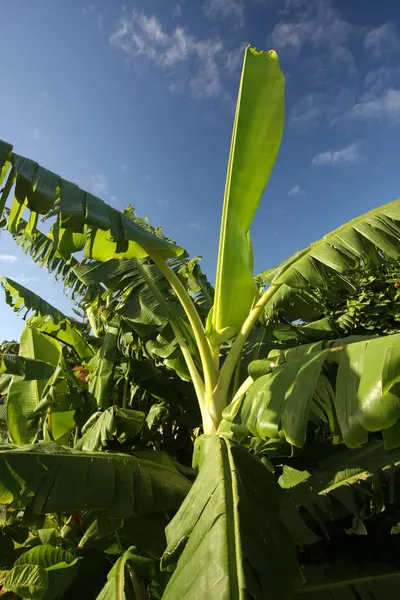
(266, 391)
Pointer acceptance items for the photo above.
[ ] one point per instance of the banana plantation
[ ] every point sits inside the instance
(176, 440)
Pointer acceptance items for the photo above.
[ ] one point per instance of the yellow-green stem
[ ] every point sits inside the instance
(210, 373)
(220, 394)
(194, 374)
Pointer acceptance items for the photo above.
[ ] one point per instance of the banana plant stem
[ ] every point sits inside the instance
(220, 395)
(209, 370)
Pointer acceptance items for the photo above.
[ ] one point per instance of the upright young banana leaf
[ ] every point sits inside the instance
(256, 137)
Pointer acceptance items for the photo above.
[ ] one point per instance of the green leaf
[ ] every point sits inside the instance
(344, 249)
(353, 402)
(52, 479)
(24, 396)
(256, 138)
(350, 581)
(45, 556)
(85, 221)
(123, 577)
(101, 382)
(60, 566)
(227, 540)
(114, 423)
(361, 401)
(281, 398)
(28, 581)
(27, 368)
(46, 318)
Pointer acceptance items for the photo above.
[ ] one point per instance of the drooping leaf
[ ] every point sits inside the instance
(227, 540)
(350, 581)
(52, 479)
(83, 221)
(27, 368)
(344, 249)
(46, 318)
(24, 396)
(280, 399)
(101, 382)
(362, 397)
(28, 581)
(114, 423)
(61, 567)
(256, 137)
(124, 580)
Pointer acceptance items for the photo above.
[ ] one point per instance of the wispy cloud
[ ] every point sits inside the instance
(91, 11)
(319, 25)
(197, 226)
(384, 106)
(23, 279)
(382, 40)
(318, 107)
(199, 61)
(38, 135)
(8, 258)
(346, 156)
(163, 202)
(296, 190)
(226, 9)
(99, 187)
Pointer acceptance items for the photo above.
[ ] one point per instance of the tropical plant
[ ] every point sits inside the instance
(196, 443)
(373, 308)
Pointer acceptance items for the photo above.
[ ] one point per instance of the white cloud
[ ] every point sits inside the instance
(8, 258)
(296, 190)
(380, 80)
(225, 9)
(319, 25)
(99, 185)
(387, 105)
(324, 107)
(152, 28)
(199, 60)
(38, 135)
(163, 202)
(289, 5)
(24, 279)
(100, 20)
(346, 156)
(382, 40)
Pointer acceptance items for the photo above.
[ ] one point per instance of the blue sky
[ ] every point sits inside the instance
(134, 102)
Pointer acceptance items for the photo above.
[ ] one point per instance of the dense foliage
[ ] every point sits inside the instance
(374, 305)
(175, 441)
